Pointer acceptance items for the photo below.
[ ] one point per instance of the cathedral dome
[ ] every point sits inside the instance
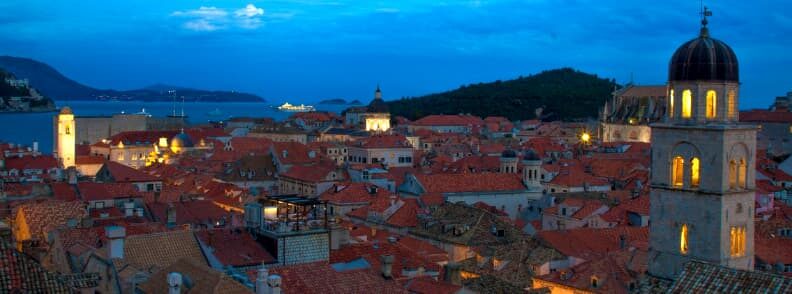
(508, 153)
(530, 154)
(66, 110)
(181, 140)
(704, 59)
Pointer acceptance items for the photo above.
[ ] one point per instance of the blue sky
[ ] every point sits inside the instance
(307, 50)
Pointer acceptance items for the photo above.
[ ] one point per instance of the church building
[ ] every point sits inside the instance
(703, 165)
(373, 118)
(626, 117)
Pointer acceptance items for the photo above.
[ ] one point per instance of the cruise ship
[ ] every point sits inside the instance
(295, 108)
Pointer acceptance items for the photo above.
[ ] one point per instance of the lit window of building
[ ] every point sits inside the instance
(683, 239)
(737, 237)
(732, 174)
(732, 104)
(694, 172)
(671, 103)
(712, 104)
(678, 171)
(742, 174)
(687, 104)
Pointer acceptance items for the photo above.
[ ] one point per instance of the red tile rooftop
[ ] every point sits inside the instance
(125, 174)
(234, 247)
(484, 182)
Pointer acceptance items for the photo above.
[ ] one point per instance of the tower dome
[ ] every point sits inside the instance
(181, 140)
(704, 59)
(508, 153)
(530, 154)
(66, 110)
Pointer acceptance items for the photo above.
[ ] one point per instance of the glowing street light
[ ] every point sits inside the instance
(585, 137)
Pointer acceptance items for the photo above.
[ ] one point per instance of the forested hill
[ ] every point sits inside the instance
(564, 93)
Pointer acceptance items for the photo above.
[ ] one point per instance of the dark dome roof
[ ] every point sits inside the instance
(509, 153)
(704, 59)
(181, 140)
(378, 106)
(530, 154)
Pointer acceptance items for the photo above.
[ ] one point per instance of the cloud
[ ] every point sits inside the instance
(211, 18)
(249, 11)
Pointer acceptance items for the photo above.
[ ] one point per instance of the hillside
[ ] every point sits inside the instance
(561, 93)
(52, 83)
(17, 96)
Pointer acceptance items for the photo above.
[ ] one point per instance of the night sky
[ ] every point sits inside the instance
(305, 51)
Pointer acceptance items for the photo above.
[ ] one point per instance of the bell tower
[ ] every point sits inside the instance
(66, 139)
(703, 161)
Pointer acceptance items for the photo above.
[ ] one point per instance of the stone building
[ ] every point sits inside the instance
(626, 117)
(702, 165)
(373, 118)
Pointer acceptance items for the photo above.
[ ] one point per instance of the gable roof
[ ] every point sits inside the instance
(320, 277)
(19, 272)
(43, 217)
(203, 278)
(159, 250)
(124, 174)
(483, 182)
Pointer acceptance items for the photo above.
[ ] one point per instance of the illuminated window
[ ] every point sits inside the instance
(732, 104)
(732, 174)
(737, 237)
(671, 104)
(68, 130)
(742, 173)
(694, 172)
(712, 104)
(677, 171)
(687, 103)
(683, 239)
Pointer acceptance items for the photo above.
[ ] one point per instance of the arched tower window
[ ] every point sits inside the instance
(742, 174)
(683, 239)
(737, 238)
(671, 103)
(732, 174)
(712, 104)
(678, 171)
(732, 107)
(687, 104)
(694, 172)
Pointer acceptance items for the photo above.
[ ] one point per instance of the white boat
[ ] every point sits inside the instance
(295, 108)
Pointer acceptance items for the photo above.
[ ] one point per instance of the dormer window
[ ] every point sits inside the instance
(594, 282)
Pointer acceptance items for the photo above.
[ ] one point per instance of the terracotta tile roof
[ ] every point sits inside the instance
(449, 120)
(426, 285)
(19, 273)
(404, 260)
(89, 159)
(90, 191)
(767, 116)
(484, 182)
(700, 277)
(296, 153)
(189, 212)
(234, 247)
(42, 162)
(615, 271)
(465, 225)
(159, 250)
(141, 137)
(404, 216)
(124, 174)
(643, 91)
(475, 164)
(314, 173)
(43, 217)
(587, 242)
(770, 247)
(304, 278)
(638, 205)
(382, 141)
(353, 193)
(204, 279)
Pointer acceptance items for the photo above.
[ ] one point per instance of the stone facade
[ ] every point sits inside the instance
(304, 248)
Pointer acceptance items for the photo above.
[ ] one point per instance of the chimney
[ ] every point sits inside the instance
(116, 234)
(392, 199)
(261, 281)
(285, 153)
(174, 283)
(387, 266)
(274, 282)
(170, 213)
(452, 273)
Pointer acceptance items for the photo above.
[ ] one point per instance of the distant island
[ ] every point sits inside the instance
(339, 101)
(55, 85)
(563, 93)
(16, 95)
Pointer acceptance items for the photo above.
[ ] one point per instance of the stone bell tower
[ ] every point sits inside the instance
(703, 162)
(66, 138)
